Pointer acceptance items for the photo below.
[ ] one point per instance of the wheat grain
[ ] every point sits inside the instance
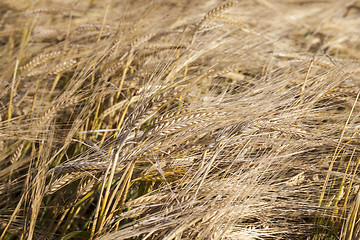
(62, 67)
(17, 153)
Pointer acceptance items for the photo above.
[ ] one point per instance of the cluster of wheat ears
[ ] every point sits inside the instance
(167, 119)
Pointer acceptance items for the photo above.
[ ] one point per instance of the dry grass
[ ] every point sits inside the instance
(179, 119)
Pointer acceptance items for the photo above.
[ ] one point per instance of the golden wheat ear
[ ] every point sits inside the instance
(211, 14)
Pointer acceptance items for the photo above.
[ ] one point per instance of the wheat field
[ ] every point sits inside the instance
(164, 119)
